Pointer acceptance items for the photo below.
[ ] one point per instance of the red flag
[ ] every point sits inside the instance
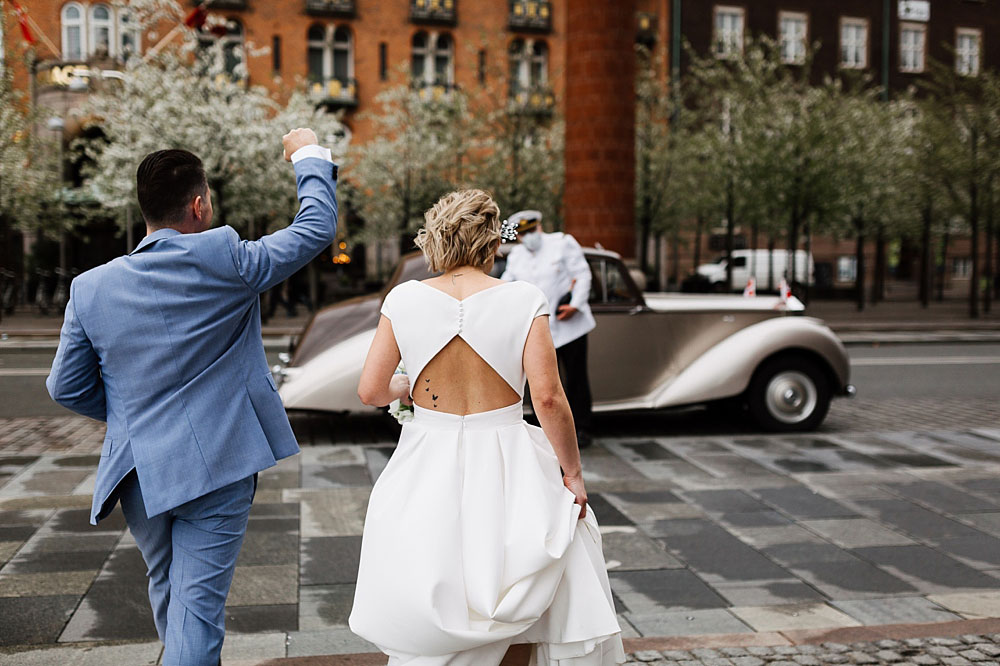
(196, 18)
(22, 19)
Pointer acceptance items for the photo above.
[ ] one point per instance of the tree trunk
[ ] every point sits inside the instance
(878, 280)
(658, 263)
(730, 230)
(808, 282)
(974, 225)
(754, 231)
(645, 219)
(793, 245)
(989, 269)
(925, 258)
(943, 272)
(859, 261)
(699, 225)
(313, 286)
(770, 263)
(675, 268)
(974, 229)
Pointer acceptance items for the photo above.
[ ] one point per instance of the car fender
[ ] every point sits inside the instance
(725, 370)
(329, 382)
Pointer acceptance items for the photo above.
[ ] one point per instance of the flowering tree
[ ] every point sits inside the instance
(183, 97)
(421, 140)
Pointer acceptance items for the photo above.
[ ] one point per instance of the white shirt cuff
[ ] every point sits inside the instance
(312, 150)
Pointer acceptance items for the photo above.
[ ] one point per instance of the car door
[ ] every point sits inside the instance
(630, 351)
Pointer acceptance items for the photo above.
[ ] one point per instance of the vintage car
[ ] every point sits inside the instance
(649, 351)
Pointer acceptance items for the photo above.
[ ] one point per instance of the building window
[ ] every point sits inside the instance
(912, 47)
(529, 65)
(968, 43)
(729, 27)
(793, 28)
(72, 32)
(432, 61)
(100, 30)
(847, 268)
(853, 43)
(482, 67)
(232, 46)
(329, 53)
(961, 267)
(128, 35)
(276, 54)
(383, 61)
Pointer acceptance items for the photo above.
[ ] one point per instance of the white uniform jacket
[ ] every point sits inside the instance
(552, 269)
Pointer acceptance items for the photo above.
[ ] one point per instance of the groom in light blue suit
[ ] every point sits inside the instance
(165, 345)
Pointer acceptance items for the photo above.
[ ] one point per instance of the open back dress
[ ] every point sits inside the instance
(471, 541)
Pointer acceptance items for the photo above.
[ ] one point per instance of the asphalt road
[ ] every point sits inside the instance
(879, 372)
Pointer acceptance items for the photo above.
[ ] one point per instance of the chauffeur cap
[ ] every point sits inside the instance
(526, 220)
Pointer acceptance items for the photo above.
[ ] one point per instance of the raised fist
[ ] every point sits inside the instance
(296, 139)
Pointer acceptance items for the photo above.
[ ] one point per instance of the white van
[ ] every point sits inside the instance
(755, 263)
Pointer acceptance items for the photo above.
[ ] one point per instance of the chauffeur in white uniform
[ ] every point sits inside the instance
(554, 262)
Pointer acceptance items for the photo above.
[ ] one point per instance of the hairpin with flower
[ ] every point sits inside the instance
(508, 231)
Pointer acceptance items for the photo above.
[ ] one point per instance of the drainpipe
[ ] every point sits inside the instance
(886, 14)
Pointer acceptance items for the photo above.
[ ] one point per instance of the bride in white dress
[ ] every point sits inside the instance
(474, 539)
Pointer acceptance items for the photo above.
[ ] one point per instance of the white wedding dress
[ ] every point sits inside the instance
(471, 542)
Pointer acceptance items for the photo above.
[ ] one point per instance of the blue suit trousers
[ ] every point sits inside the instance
(190, 553)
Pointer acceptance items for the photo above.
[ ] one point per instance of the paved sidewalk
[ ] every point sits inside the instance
(715, 540)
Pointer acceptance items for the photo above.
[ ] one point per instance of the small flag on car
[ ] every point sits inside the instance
(784, 291)
(750, 290)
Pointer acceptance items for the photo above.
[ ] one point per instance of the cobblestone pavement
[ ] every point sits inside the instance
(775, 542)
(948, 651)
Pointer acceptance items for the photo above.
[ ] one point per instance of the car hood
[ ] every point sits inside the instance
(671, 302)
(335, 324)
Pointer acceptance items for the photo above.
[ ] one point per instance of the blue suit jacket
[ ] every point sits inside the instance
(165, 345)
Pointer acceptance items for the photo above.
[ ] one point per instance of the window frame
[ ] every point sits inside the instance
(525, 60)
(977, 33)
(122, 17)
(81, 24)
(916, 27)
(798, 59)
(429, 55)
(94, 24)
(729, 9)
(865, 24)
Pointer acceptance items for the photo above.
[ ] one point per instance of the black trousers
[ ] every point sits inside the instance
(572, 358)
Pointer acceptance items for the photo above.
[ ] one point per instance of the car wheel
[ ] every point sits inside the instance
(789, 394)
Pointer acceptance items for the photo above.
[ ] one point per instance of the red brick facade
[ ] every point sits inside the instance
(600, 126)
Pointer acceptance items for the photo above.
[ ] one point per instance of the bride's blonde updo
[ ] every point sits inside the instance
(461, 229)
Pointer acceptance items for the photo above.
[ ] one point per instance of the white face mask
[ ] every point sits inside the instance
(532, 241)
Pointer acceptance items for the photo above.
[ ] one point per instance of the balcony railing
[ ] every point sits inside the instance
(433, 91)
(342, 8)
(535, 15)
(538, 100)
(441, 12)
(335, 93)
(645, 29)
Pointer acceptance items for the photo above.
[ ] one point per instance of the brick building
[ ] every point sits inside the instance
(892, 41)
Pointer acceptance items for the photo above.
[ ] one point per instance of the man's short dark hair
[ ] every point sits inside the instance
(166, 182)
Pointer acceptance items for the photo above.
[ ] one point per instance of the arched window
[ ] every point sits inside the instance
(232, 45)
(518, 67)
(529, 65)
(342, 61)
(443, 60)
(72, 32)
(539, 74)
(100, 30)
(433, 59)
(128, 35)
(316, 45)
(330, 55)
(418, 63)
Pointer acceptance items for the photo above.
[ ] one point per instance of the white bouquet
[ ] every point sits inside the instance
(397, 410)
